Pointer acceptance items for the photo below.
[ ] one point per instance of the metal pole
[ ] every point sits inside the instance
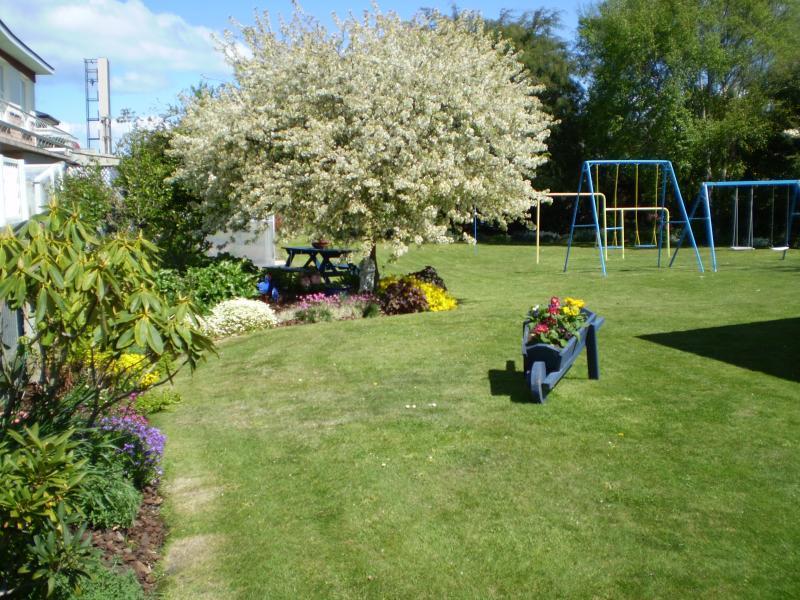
(538, 228)
(679, 198)
(575, 210)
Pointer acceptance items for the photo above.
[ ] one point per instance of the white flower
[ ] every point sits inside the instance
(381, 128)
(238, 316)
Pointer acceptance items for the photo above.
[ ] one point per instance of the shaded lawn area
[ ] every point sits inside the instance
(772, 347)
(296, 470)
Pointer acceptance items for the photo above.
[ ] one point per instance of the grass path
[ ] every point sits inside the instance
(295, 469)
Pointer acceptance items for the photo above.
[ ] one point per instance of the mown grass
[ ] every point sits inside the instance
(296, 470)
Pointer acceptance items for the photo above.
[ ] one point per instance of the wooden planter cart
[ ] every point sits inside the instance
(545, 365)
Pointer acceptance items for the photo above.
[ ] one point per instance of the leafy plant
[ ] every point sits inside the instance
(402, 296)
(170, 284)
(102, 583)
(161, 208)
(314, 313)
(88, 191)
(436, 297)
(556, 323)
(429, 275)
(222, 279)
(41, 535)
(108, 499)
(156, 400)
(372, 309)
(85, 295)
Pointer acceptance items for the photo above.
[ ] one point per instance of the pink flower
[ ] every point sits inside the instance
(554, 301)
(541, 328)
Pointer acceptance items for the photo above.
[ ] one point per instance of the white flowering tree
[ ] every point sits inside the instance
(382, 130)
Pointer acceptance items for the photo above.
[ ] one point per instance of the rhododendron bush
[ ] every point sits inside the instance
(381, 130)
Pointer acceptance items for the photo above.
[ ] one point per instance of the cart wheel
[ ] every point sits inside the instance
(538, 373)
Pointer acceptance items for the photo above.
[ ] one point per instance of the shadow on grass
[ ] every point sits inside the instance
(768, 346)
(509, 382)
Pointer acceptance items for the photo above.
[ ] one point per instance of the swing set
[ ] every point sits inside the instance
(745, 241)
(664, 178)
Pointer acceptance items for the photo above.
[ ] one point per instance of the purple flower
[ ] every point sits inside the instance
(141, 443)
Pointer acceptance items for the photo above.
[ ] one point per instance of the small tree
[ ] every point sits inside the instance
(383, 130)
(88, 300)
(162, 209)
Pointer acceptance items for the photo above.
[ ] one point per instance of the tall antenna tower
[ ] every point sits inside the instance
(98, 103)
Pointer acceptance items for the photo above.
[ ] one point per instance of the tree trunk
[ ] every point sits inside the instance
(369, 276)
(373, 256)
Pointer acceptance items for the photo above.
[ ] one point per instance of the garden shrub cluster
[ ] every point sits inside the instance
(238, 315)
(222, 278)
(100, 334)
(108, 499)
(416, 292)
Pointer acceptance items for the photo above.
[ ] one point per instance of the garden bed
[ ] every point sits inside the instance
(137, 547)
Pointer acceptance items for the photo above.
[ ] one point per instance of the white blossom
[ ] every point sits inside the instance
(380, 130)
(238, 315)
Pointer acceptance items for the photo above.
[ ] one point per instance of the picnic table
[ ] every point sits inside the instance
(317, 260)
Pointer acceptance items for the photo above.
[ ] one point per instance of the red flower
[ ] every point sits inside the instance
(554, 301)
(540, 329)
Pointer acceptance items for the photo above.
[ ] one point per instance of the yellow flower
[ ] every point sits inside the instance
(574, 302)
(571, 311)
(438, 299)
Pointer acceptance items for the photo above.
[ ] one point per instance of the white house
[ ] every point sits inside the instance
(33, 150)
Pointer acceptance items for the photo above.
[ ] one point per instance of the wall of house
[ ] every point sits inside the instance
(16, 87)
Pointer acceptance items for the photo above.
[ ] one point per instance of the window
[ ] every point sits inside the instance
(16, 88)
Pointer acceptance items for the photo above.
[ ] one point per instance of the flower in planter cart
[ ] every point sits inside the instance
(557, 323)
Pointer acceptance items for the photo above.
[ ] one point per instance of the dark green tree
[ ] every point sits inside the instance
(685, 80)
(164, 210)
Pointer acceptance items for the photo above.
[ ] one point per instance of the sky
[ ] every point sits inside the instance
(159, 48)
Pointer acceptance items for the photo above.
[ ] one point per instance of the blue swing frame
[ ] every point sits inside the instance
(669, 173)
(703, 200)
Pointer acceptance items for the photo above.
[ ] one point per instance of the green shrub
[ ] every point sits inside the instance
(42, 537)
(108, 499)
(103, 583)
(87, 190)
(171, 284)
(156, 400)
(93, 299)
(372, 309)
(222, 279)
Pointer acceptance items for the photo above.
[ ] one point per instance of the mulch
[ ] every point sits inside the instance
(137, 547)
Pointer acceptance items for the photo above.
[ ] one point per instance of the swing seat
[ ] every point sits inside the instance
(742, 248)
(779, 248)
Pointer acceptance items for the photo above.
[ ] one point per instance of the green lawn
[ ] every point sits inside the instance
(296, 470)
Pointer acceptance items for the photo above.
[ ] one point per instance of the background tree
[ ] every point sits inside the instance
(163, 209)
(380, 131)
(684, 80)
(551, 64)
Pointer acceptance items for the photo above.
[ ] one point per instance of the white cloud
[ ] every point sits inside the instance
(148, 51)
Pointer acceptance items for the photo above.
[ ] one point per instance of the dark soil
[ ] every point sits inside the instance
(139, 546)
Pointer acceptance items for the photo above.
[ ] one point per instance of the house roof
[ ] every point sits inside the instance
(13, 46)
